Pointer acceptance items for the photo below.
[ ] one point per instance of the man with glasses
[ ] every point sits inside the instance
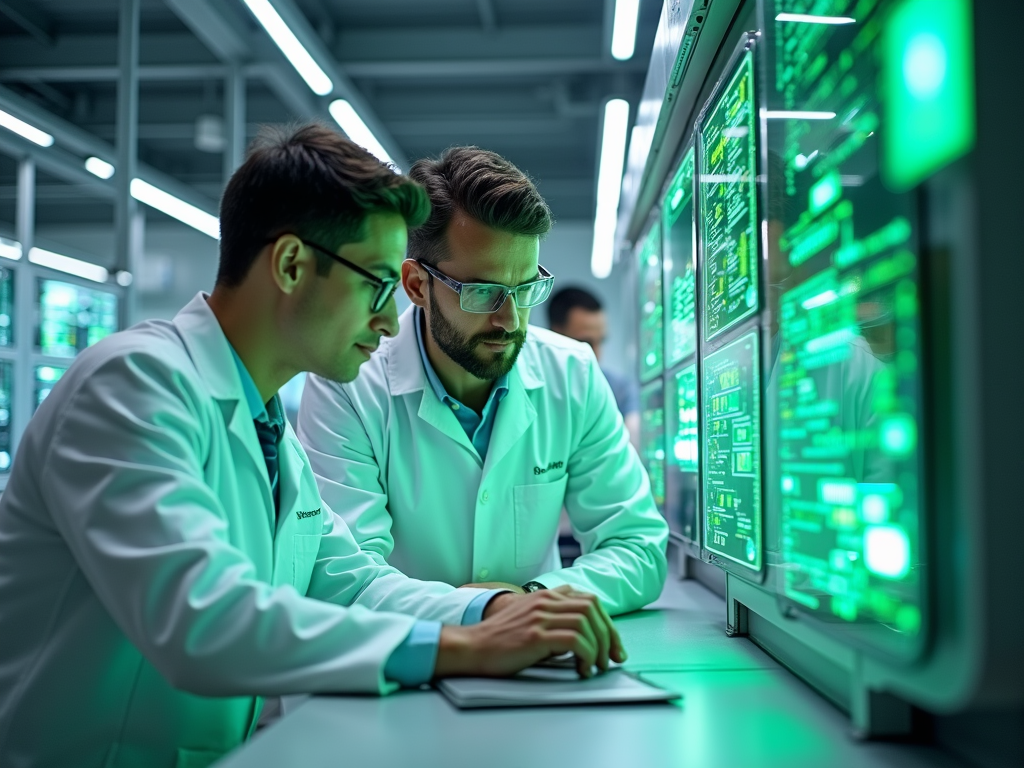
(453, 453)
(165, 556)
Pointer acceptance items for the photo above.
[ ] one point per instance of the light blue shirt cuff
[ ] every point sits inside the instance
(412, 663)
(474, 612)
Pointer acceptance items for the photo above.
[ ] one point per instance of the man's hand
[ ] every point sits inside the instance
(524, 629)
(494, 585)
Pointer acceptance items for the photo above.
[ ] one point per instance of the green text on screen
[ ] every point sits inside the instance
(731, 401)
(845, 378)
(728, 203)
(651, 308)
(652, 438)
(680, 265)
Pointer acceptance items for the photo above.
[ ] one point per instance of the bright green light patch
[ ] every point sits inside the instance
(874, 508)
(928, 78)
(887, 551)
(825, 192)
(898, 435)
(677, 198)
(651, 358)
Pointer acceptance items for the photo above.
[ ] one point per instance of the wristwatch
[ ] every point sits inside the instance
(532, 586)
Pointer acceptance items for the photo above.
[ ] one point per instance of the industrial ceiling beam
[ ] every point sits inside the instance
(487, 68)
(29, 18)
(488, 16)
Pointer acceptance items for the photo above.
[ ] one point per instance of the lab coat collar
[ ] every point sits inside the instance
(211, 352)
(405, 369)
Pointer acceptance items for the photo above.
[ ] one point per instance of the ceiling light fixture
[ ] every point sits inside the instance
(26, 131)
(624, 28)
(69, 265)
(176, 208)
(609, 185)
(811, 19)
(358, 131)
(98, 167)
(10, 249)
(294, 51)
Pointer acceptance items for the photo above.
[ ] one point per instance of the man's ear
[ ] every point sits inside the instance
(290, 262)
(414, 280)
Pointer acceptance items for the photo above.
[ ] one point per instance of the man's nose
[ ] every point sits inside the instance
(385, 322)
(507, 316)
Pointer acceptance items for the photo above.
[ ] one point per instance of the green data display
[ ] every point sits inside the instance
(680, 265)
(683, 459)
(6, 307)
(46, 377)
(846, 380)
(651, 308)
(728, 203)
(652, 438)
(6, 387)
(732, 462)
(72, 317)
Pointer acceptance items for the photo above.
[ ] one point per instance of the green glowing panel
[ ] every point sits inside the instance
(844, 471)
(928, 79)
(680, 265)
(652, 438)
(72, 317)
(651, 307)
(6, 307)
(682, 464)
(6, 388)
(46, 377)
(728, 203)
(732, 460)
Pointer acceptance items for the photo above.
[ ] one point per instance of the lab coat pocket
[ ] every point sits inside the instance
(537, 508)
(307, 546)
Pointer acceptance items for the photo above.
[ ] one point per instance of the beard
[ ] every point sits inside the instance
(462, 350)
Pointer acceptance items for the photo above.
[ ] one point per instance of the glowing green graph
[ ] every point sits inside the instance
(651, 306)
(731, 401)
(680, 265)
(728, 203)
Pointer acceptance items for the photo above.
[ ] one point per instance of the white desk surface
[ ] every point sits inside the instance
(740, 709)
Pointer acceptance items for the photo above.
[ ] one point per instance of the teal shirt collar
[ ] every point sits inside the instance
(271, 412)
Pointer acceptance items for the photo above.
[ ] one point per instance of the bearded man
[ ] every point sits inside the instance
(453, 453)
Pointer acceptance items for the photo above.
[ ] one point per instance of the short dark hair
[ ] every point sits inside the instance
(310, 180)
(483, 185)
(568, 299)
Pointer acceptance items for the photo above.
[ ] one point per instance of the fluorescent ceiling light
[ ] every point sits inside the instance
(10, 249)
(176, 208)
(624, 28)
(781, 114)
(354, 127)
(609, 185)
(26, 131)
(63, 263)
(294, 51)
(811, 19)
(98, 167)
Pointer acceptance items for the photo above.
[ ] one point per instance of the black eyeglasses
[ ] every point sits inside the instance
(386, 286)
(484, 298)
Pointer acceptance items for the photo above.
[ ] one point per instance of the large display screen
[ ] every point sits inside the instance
(651, 308)
(731, 401)
(46, 377)
(6, 390)
(846, 375)
(652, 438)
(6, 307)
(72, 317)
(728, 203)
(680, 234)
(683, 459)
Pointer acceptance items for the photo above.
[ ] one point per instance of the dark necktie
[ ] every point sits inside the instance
(269, 434)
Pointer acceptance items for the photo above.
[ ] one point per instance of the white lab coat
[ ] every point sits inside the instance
(141, 574)
(393, 459)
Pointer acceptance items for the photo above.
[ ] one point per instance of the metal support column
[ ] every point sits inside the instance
(126, 228)
(25, 291)
(234, 118)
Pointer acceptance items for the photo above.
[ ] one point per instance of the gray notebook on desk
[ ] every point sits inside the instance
(545, 686)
